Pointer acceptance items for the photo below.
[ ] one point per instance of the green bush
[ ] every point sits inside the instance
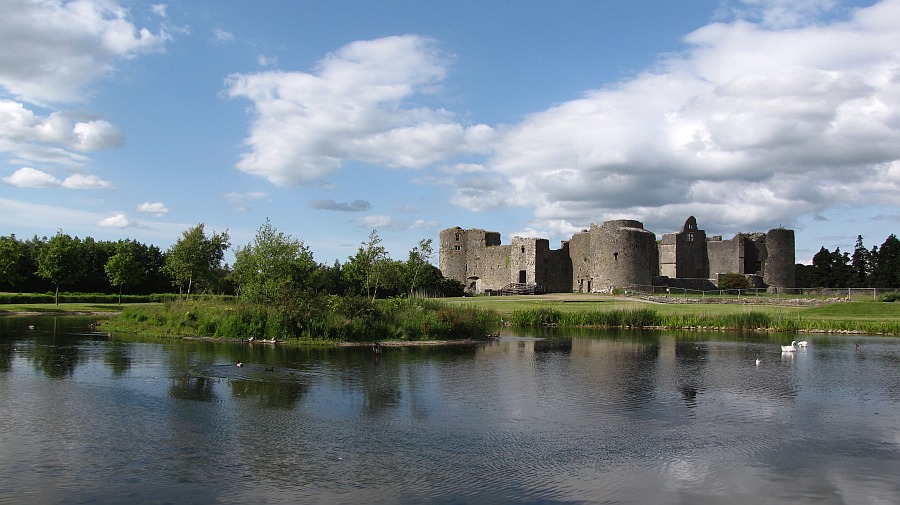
(890, 297)
(733, 280)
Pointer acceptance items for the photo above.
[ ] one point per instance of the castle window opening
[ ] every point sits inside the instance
(690, 237)
(523, 249)
(457, 248)
(457, 236)
(616, 256)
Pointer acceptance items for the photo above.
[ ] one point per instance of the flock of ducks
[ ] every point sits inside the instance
(251, 340)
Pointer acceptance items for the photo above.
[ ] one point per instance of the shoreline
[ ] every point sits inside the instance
(59, 313)
(368, 343)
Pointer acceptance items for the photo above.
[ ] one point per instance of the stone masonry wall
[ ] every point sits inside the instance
(615, 254)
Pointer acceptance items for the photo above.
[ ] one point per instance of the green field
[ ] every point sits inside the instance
(830, 314)
(853, 316)
(63, 308)
(573, 302)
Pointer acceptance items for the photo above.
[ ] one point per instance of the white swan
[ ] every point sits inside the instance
(789, 348)
(758, 362)
(802, 343)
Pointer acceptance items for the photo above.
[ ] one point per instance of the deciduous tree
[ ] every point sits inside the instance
(274, 266)
(195, 259)
(124, 267)
(366, 267)
(11, 254)
(419, 259)
(60, 261)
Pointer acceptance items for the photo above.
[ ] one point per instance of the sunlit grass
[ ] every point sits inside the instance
(64, 308)
(575, 310)
(322, 319)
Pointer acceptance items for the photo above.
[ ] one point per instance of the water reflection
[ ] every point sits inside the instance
(541, 417)
(117, 358)
(193, 388)
(52, 344)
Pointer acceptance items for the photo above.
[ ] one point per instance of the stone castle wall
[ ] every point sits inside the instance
(616, 254)
(624, 254)
(684, 254)
(779, 270)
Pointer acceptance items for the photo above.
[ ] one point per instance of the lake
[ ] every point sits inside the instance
(554, 417)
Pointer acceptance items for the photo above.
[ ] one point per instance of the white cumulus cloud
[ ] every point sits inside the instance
(27, 177)
(119, 220)
(85, 181)
(52, 49)
(356, 105)
(26, 135)
(752, 125)
(157, 209)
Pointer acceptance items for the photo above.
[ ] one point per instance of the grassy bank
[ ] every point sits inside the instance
(650, 318)
(62, 308)
(332, 319)
(326, 319)
(572, 310)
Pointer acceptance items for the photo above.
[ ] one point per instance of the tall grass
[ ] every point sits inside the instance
(649, 318)
(313, 319)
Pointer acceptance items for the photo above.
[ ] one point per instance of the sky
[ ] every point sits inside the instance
(139, 120)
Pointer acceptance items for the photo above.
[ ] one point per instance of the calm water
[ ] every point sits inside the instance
(587, 418)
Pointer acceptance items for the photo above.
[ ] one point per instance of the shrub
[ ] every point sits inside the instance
(890, 297)
(733, 280)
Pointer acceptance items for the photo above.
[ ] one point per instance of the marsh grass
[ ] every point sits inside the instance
(599, 311)
(311, 320)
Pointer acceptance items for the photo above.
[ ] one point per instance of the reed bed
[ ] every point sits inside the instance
(323, 319)
(740, 321)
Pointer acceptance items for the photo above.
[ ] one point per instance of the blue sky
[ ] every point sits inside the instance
(130, 119)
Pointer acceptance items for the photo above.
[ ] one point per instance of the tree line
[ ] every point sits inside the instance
(275, 267)
(267, 270)
(878, 267)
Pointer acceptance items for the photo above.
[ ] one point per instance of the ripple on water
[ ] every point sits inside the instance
(625, 421)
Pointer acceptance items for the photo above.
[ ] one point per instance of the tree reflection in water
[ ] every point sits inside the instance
(117, 358)
(200, 389)
(271, 392)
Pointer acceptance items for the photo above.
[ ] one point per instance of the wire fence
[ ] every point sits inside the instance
(776, 293)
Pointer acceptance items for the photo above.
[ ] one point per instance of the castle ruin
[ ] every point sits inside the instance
(616, 254)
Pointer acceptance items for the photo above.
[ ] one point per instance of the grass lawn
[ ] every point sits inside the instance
(574, 302)
(62, 308)
(861, 311)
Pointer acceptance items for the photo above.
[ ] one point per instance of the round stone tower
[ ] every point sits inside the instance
(453, 253)
(779, 268)
(624, 254)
